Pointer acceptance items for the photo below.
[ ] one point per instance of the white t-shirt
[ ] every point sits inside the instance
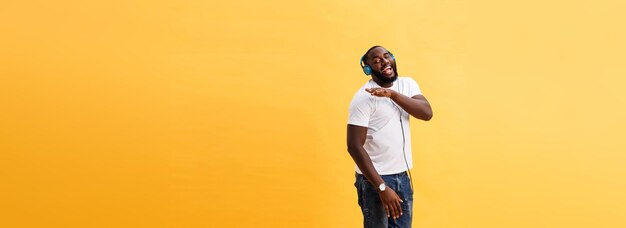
(381, 116)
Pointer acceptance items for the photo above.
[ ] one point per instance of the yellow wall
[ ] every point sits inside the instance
(233, 113)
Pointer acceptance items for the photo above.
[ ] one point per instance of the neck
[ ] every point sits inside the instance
(381, 83)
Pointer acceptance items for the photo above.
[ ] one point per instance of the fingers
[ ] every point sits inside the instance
(379, 92)
(387, 210)
(392, 203)
(372, 91)
(398, 208)
(394, 208)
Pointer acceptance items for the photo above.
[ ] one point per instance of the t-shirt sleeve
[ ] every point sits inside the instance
(414, 89)
(360, 111)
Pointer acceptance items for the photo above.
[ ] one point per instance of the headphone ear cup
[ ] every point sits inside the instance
(367, 70)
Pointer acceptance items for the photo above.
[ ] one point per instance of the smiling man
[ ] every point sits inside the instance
(379, 140)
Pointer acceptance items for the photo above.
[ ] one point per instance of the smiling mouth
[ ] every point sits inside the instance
(387, 70)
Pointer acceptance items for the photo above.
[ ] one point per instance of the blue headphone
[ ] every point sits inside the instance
(367, 69)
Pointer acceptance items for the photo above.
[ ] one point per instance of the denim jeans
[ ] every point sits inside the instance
(374, 214)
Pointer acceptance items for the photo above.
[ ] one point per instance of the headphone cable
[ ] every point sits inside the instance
(404, 140)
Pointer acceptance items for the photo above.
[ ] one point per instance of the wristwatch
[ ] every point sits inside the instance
(382, 187)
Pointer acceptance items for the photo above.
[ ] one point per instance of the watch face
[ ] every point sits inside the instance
(382, 187)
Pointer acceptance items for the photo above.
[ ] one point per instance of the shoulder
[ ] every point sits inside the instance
(361, 96)
(407, 80)
(410, 86)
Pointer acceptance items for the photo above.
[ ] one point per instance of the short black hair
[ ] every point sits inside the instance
(368, 51)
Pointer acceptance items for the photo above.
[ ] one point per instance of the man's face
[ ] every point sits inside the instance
(382, 64)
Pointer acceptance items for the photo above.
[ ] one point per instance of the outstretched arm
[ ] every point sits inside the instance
(417, 105)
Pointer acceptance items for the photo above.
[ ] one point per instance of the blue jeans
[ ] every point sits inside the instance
(374, 214)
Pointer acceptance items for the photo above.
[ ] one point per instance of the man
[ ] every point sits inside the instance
(379, 140)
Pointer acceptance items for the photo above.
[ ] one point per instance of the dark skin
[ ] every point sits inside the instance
(417, 106)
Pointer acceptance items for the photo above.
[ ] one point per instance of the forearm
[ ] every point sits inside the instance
(418, 108)
(363, 161)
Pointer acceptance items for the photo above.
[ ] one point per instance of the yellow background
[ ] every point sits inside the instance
(233, 113)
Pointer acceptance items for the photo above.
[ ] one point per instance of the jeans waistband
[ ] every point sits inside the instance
(388, 175)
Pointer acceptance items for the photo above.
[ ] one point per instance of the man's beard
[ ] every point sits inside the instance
(386, 79)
